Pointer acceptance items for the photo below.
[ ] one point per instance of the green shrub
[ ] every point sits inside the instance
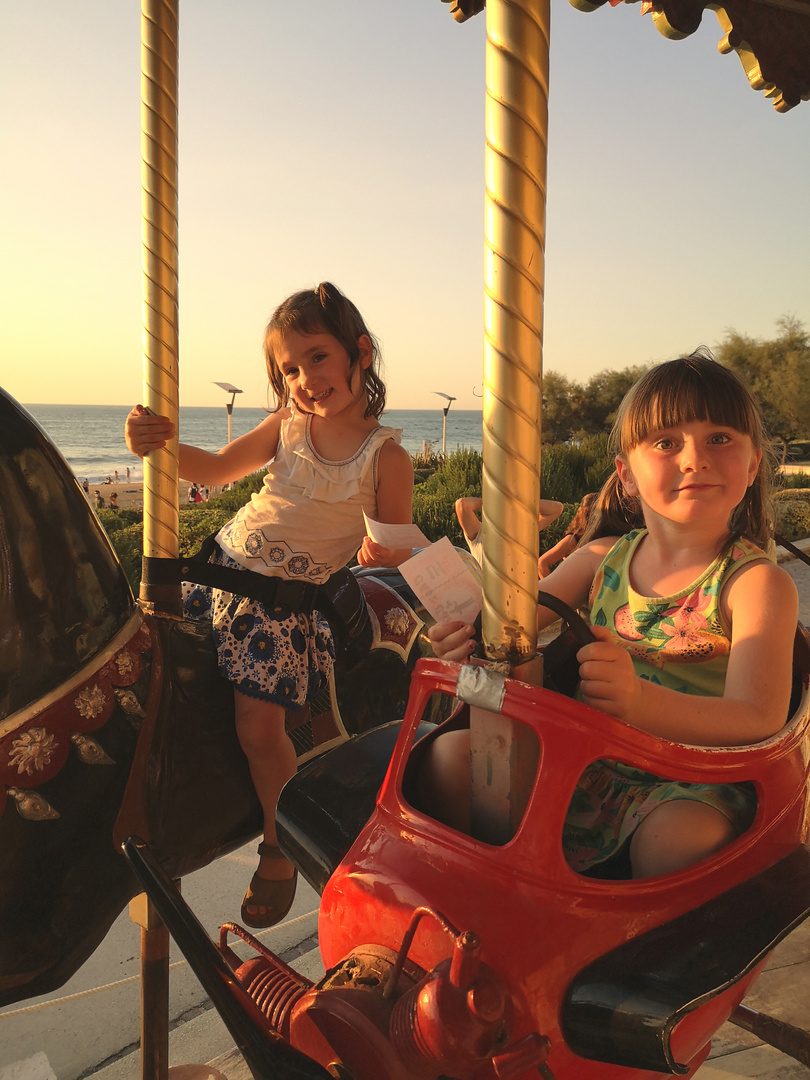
(567, 473)
(794, 480)
(792, 513)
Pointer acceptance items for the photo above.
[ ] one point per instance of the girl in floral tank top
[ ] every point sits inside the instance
(694, 622)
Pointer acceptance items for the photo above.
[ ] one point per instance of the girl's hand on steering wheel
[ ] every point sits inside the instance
(452, 641)
(607, 678)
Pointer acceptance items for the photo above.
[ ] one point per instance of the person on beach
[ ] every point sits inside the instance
(684, 601)
(571, 538)
(330, 459)
(468, 508)
(114, 500)
(86, 486)
(99, 500)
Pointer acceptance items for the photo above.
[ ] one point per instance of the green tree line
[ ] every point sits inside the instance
(776, 370)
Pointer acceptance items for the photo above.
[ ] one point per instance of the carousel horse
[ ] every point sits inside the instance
(115, 723)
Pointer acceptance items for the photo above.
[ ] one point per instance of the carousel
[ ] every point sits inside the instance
(449, 955)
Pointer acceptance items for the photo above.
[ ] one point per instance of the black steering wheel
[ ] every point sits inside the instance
(560, 666)
(580, 629)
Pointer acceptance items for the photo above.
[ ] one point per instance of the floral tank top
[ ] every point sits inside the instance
(680, 641)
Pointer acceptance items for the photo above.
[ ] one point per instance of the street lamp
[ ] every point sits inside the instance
(446, 410)
(229, 388)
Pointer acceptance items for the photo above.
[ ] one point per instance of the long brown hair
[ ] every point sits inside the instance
(693, 387)
(324, 310)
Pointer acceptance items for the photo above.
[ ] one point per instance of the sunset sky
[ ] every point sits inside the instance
(345, 141)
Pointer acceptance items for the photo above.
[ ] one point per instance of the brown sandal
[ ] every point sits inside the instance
(275, 897)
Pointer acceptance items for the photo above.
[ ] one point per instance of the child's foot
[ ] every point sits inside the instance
(272, 888)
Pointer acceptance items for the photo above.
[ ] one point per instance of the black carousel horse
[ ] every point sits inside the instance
(115, 723)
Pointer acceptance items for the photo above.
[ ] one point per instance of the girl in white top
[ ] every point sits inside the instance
(329, 460)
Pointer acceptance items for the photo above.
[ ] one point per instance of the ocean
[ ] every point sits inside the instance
(91, 437)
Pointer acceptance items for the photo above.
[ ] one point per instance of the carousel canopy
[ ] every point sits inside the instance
(771, 37)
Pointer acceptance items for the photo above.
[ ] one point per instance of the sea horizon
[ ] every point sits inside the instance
(91, 437)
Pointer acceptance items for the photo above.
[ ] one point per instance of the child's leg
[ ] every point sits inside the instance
(443, 783)
(272, 761)
(677, 834)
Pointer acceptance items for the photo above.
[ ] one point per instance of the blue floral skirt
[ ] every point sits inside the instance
(275, 654)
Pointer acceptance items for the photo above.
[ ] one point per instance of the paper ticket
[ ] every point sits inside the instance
(444, 584)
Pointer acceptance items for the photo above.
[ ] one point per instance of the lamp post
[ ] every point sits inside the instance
(232, 390)
(446, 410)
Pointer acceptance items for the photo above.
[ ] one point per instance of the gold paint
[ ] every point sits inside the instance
(124, 663)
(32, 751)
(515, 167)
(397, 621)
(159, 27)
(90, 752)
(90, 702)
(32, 806)
(129, 703)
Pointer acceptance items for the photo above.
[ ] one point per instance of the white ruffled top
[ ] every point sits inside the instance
(307, 520)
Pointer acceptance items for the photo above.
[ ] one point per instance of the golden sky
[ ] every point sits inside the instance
(345, 141)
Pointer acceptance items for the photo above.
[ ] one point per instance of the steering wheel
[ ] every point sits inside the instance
(579, 628)
(560, 667)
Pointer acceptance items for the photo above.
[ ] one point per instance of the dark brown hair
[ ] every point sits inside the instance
(693, 387)
(324, 310)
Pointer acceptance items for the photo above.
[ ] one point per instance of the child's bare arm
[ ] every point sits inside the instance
(394, 504)
(467, 510)
(763, 606)
(549, 511)
(549, 559)
(145, 431)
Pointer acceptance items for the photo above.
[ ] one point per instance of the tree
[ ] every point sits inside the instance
(603, 395)
(562, 407)
(777, 373)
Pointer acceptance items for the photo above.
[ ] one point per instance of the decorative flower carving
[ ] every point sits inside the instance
(32, 751)
(396, 621)
(90, 702)
(124, 663)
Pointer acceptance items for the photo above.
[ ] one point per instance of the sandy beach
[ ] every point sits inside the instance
(130, 495)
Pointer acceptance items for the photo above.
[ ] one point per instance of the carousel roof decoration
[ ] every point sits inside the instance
(771, 37)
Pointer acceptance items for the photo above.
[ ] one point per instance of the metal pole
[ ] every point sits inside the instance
(515, 166)
(154, 989)
(159, 63)
(503, 755)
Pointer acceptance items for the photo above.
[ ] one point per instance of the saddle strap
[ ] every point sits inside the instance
(339, 598)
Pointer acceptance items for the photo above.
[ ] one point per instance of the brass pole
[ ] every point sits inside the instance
(159, 65)
(154, 989)
(503, 755)
(515, 167)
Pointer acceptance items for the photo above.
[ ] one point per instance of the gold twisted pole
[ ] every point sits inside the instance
(159, 65)
(515, 165)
